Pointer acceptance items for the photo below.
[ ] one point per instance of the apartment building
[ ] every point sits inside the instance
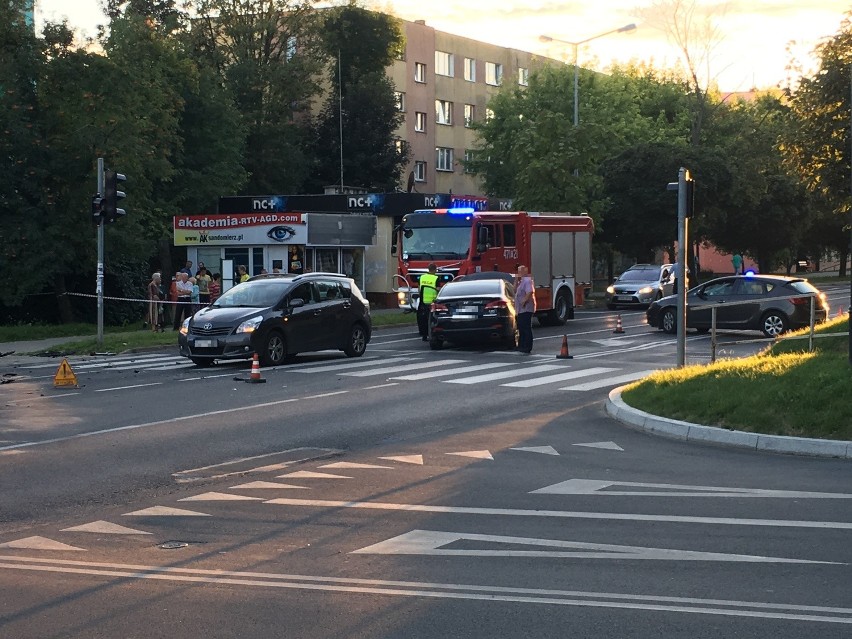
(444, 83)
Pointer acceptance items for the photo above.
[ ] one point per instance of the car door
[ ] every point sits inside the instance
(302, 323)
(334, 304)
(701, 299)
(749, 293)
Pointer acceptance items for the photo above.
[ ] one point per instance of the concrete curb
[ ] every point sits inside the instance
(675, 429)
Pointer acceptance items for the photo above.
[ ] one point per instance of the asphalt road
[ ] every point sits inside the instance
(409, 493)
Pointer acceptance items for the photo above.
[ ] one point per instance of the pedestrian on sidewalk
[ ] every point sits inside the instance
(155, 303)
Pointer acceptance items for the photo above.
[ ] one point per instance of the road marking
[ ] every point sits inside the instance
(214, 496)
(614, 341)
(602, 445)
(544, 450)
(610, 381)
(105, 528)
(237, 466)
(38, 543)
(354, 465)
(406, 459)
(562, 514)
(430, 542)
(34, 398)
(475, 454)
(381, 386)
(164, 511)
(598, 487)
(195, 379)
(346, 365)
(309, 474)
(451, 371)
(515, 372)
(450, 591)
(100, 363)
(405, 367)
(117, 388)
(266, 484)
(559, 377)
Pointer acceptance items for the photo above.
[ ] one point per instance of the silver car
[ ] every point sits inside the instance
(640, 285)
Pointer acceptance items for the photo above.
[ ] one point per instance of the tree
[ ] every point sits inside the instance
(369, 118)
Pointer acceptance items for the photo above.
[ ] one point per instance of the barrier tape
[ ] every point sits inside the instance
(130, 299)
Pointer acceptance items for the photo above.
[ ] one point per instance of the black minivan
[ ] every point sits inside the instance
(278, 316)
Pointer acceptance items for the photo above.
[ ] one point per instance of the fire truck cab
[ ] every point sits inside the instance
(556, 247)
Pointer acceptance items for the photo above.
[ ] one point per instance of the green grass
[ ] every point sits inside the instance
(118, 339)
(782, 391)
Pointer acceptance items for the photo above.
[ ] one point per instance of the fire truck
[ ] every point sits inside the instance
(556, 247)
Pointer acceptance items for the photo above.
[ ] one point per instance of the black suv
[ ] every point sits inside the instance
(278, 316)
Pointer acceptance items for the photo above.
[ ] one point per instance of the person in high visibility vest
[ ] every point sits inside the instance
(428, 293)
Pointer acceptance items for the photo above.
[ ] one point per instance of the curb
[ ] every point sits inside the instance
(676, 429)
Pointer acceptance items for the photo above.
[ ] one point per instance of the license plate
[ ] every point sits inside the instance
(464, 317)
(624, 298)
(468, 309)
(205, 343)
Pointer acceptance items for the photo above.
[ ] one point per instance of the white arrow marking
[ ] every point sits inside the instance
(309, 474)
(544, 450)
(603, 445)
(430, 542)
(105, 528)
(613, 342)
(407, 459)
(353, 465)
(476, 454)
(164, 511)
(597, 487)
(38, 543)
(220, 497)
(268, 484)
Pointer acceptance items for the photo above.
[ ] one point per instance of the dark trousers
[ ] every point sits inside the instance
(525, 336)
(182, 310)
(423, 313)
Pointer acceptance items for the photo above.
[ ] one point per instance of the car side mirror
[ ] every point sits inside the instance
(296, 303)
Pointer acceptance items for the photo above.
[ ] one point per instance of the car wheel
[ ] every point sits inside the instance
(668, 321)
(436, 343)
(357, 342)
(274, 350)
(773, 324)
(202, 362)
(563, 309)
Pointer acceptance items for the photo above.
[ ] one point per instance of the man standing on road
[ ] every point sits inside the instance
(524, 308)
(184, 298)
(428, 293)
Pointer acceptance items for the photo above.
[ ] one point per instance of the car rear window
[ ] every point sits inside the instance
(471, 287)
(803, 286)
(257, 294)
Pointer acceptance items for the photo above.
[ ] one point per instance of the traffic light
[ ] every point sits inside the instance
(112, 195)
(97, 208)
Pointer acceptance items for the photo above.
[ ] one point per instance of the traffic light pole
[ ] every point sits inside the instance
(99, 283)
(682, 239)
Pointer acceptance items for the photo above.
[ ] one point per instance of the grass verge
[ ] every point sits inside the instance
(782, 391)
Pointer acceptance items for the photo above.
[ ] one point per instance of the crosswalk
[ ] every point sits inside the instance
(410, 366)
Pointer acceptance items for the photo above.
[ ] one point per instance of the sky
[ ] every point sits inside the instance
(752, 50)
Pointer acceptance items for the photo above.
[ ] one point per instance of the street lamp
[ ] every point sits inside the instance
(576, 46)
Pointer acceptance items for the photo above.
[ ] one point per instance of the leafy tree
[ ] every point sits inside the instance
(359, 45)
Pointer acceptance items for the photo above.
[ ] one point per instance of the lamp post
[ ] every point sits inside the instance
(576, 47)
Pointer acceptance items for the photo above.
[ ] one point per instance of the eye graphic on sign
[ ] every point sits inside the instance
(281, 233)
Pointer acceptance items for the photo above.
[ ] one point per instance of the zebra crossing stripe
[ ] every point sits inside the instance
(451, 371)
(330, 368)
(102, 363)
(559, 377)
(406, 367)
(610, 381)
(515, 372)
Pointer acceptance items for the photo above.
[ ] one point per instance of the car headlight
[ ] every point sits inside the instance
(610, 290)
(184, 328)
(250, 325)
(646, 290)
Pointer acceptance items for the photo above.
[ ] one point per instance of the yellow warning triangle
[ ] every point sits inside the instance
(64, 375)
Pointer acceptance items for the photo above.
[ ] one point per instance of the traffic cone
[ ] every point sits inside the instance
(839, 311)
(254, 377)
(618, 327)
(563, 352)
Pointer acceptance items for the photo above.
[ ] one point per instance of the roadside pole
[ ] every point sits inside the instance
(684, 187)
(99, 284)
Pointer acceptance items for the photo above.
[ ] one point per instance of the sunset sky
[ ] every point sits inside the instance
(755, 33)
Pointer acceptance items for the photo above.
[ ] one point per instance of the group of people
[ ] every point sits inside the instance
(524, 305)
(188, 293)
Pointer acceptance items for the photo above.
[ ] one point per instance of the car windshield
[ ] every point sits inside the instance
(471, 288)
(640, 275)
(436, 242)
(257, 294)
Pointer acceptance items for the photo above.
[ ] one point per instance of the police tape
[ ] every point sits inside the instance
(131, 299)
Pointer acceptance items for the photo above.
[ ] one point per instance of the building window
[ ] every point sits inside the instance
(420, 121)
(419, 171)
(493, 74)
(468, 115)
(401, 146)
(470, 69)
(444, 160)
(523, 77)
(400, 100)
(489, 114)
(443, 112)
(468, 159)
(444, 63)
(419, 72)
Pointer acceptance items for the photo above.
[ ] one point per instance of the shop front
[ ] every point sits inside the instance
(276, 242)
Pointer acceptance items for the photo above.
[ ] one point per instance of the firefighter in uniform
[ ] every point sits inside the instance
(428, 293)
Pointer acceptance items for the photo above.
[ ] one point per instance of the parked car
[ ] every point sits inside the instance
(278, 316)
(763, 304)
(640, 285)
(474, 310)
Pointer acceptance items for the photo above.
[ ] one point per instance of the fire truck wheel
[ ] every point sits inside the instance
(563, 307)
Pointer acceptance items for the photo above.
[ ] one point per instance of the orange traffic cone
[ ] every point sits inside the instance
(839, 311)
(254, 377)
(618, 327)
(563, 352)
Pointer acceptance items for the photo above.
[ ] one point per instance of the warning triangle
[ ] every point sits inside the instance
(353, 465)
(476, 454)
(38, 543)
(407, 459)
(165, 511)
(268, 484)
(602, 445)
(64, 375)
(105, 528)
(544, 450)
(220, 497)
(309, 474)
